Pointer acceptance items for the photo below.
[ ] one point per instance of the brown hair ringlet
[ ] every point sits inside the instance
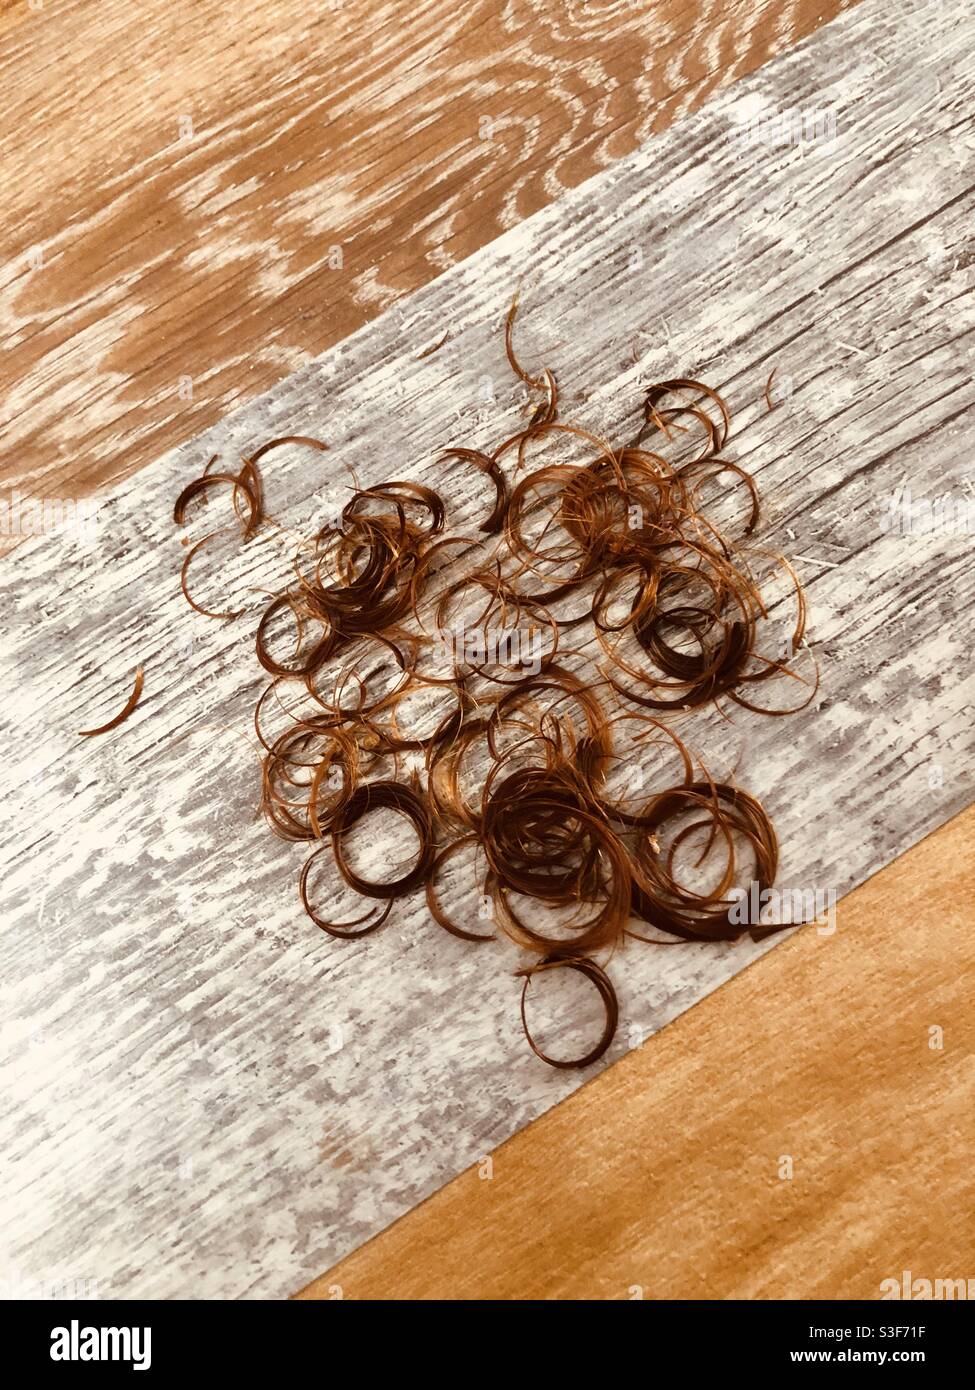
(629, 570)
(598, 977)
(396, 797)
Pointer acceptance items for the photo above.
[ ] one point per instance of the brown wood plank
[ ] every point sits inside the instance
(661, 1178)
(171, 211)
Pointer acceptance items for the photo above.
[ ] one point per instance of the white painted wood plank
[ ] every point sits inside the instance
(202, 1094)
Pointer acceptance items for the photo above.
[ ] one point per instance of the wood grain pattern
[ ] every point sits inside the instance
(174, 215)
(206, 1095)
(665, 1177)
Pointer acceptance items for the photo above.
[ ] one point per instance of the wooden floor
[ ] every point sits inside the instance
(221, 203)
(220, 199)
(803, 1133)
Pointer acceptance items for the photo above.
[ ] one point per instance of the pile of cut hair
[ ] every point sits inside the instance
(406, 641)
